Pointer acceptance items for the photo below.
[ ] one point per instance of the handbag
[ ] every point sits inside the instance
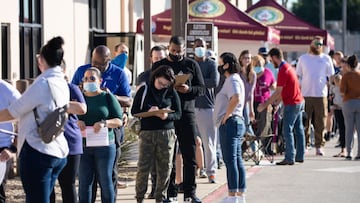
(53, 124)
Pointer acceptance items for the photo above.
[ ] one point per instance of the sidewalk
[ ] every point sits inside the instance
(205, 191)
(318, 179)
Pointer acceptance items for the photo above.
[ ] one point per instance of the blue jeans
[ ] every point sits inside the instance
(99, 161)
(292, 123)
(38, 173)
(231, 134)
(351, 114)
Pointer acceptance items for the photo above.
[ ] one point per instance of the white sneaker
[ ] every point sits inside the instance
(241, 199)
(230, 199)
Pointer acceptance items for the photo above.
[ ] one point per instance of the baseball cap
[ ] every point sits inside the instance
(263, 51)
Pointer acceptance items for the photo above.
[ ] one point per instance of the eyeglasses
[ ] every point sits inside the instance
(162, 84)
(91, 79)
(318, 44)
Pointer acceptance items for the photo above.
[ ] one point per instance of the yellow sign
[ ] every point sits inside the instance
(206, 8)
(267, 15)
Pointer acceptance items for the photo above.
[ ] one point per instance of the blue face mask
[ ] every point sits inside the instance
(90, 86)
(200, 52)
(258, 69)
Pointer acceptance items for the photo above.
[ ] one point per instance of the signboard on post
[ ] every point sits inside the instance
(195, 30)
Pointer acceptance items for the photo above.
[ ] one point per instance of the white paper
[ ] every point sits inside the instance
(96, 139)
(2, 170)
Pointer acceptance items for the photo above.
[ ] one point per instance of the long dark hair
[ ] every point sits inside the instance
(53, 52)
(163, 71)
(230, 58)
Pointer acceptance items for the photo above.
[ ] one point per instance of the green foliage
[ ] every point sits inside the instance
(308, 10)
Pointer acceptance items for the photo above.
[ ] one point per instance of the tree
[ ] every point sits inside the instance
(308, 10)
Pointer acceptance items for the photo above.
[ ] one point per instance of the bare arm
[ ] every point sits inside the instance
(5, 115)
(234, 101)
(124, 101)
(77, 108)
(275, 97)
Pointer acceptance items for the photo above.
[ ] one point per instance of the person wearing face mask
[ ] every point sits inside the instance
(185, 127)
(204, 107)
(229, 117)
(121, 52)
(114, 80)
(157, 133)
(104, 111)
(265, 82)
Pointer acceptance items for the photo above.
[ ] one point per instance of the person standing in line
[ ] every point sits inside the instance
(103, 111)
(248, 75)
(121, 52)
(8, 147)
(37, 179)
(337, 108)
(314, 68)
(204, 108)
(351, 105)
(157, 135)
(67, 177)
(229, 117)
(185, 128)
(156, 54)
(265, 83)
(288, 91)
(264, 52)
(114, 80)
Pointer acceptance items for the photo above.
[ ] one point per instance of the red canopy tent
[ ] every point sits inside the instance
(232, 23)
(293, 31)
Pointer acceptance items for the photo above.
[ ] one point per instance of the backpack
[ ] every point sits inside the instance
(53, 124)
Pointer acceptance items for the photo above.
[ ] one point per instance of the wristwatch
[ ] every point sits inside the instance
(103, 122)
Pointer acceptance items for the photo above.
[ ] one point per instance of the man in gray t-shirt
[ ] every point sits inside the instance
(204, 108)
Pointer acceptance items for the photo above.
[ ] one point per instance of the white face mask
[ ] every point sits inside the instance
(200, 52)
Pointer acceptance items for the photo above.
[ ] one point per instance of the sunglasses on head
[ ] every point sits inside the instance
(91, 78)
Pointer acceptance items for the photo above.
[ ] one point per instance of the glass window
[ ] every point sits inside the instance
(5, 45)
(30, 37)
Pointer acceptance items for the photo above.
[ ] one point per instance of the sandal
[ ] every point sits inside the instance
(341, 154)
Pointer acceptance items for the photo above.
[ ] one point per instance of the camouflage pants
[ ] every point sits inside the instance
(155, 146)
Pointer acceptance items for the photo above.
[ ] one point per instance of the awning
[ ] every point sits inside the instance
(293, 30)
(231, 22)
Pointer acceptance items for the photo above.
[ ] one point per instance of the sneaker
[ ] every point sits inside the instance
(171, 200)
(212, 179)
(230, 199)
(348, 157)
(193, 199)
(202, 174)
(327, 136)
(180, 187)
(241, 199)
(151, 195)
(319, 152)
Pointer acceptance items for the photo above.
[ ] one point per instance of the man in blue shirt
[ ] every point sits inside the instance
(114, 79)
